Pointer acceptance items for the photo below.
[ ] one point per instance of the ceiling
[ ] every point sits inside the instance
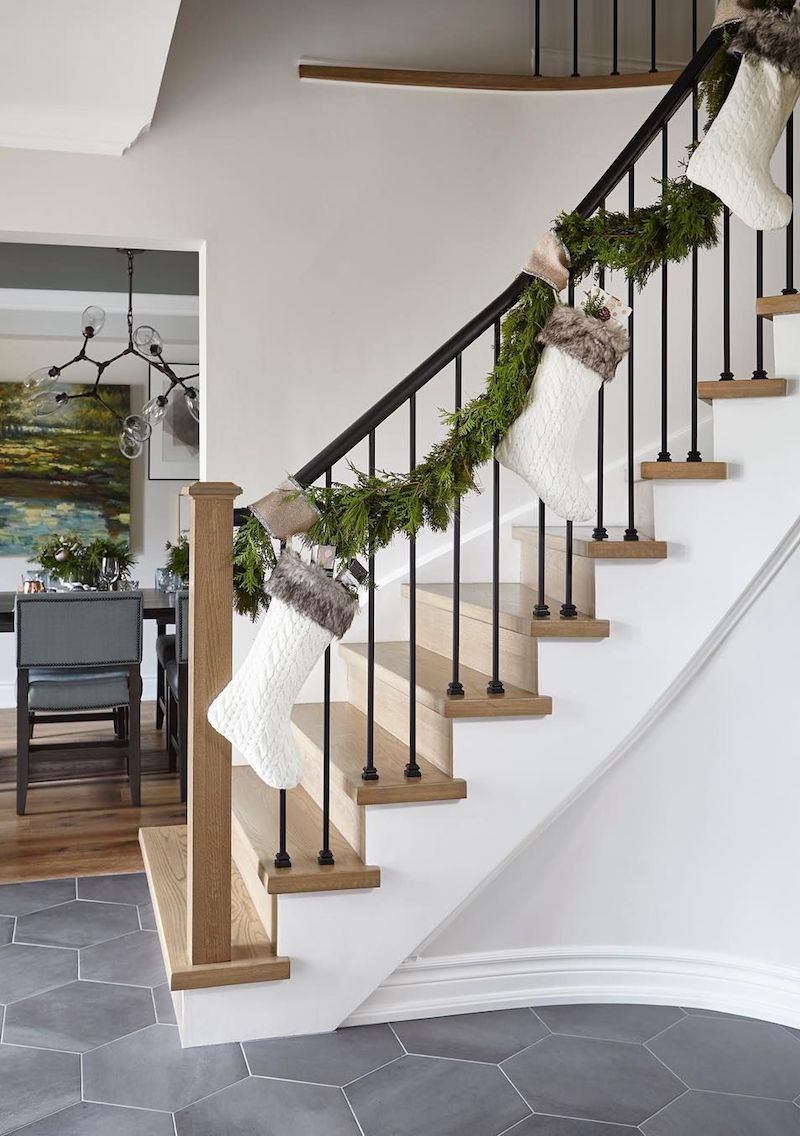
(81, 75)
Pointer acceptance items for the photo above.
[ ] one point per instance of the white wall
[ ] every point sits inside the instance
(689, 844)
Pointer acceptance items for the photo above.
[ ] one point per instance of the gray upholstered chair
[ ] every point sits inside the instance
(176, 671)
(78, 659)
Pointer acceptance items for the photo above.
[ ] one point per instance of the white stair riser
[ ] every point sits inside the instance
(517, 652)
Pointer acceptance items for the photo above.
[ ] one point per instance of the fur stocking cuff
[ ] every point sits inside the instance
(773, 36)
(310, 591)
(599, 346)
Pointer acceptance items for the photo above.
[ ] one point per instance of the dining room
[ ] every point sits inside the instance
(99, 429)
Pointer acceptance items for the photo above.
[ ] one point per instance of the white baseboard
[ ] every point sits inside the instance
(8, 692)
(459, 984)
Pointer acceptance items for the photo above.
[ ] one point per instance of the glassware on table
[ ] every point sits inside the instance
(35, 580)
(110, 572)
(163, 578)
(175, 582)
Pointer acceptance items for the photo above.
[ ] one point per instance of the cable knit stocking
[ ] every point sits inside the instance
(580, 353)
(733, 160)
(307, 610)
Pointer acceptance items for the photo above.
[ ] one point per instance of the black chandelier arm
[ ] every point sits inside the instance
(111, 409)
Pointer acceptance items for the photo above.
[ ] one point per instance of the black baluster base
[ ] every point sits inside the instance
(665, 456)
(325, 858)
(283, 860)
(726, 377)
(368, 773)
(455, 690)
(694, 456)
(760, 373)
(541, 611)
(788, 291)
(495, 687)
(631, 535)
(600, 533)
(569, 611)
(412, 771)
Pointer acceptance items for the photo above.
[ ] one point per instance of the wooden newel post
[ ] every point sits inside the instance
(208, 883)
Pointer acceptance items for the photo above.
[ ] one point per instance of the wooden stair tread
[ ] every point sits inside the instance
(349, 756)
(741, 388)
(684, 471)
(256, 839)
(252, 955)
(614, 548)
(434, 673)
(770, 306)
(516, 607)
(477, 81)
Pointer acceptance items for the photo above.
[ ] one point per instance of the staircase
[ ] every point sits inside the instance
(586, 647)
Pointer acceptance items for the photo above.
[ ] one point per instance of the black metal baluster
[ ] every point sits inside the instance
(537, 38)
(727, 374)
(600, 530)
(412, 768)
(759, 372)
(575, 39)
(541, 610)
(495, 686)
(326, 855)
(369, 772)
(456, 687)
(790, 289)
(665, 455)
(631, 532)
(568, 609)
(653, 38)
(694, 454)
(282, 859)
(615, 40)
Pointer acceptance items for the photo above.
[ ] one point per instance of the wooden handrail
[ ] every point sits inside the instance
(208, 865)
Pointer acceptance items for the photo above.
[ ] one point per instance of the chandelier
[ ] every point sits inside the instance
(144, 342)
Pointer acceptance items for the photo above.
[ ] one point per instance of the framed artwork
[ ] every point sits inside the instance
(61, 472)
(174, 446)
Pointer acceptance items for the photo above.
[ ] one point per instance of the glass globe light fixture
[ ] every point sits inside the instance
(43, 379)
(137, 428)
(192, 400)
(155, 410)
(92, 320)
(129, 446)
(45, 402)
(147, 340)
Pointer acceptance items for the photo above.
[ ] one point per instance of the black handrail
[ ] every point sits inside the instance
(672, 101)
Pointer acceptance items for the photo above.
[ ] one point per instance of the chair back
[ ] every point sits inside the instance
(79, 629)
(182, 626)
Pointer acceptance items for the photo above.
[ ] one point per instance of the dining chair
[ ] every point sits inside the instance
(177, 675)
(79, 660)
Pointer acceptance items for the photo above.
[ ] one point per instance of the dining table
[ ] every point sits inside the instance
(158, 606)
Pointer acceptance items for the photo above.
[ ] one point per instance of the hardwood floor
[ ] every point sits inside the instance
(82, 827)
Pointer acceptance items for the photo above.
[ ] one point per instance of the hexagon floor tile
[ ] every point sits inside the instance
(6, 929)
(324, 1059)
(714, 1114)
(102, 1120)
(35, 1083)
(729, 1055)
(130, 887)
(133, 959)
(77, 924)
(593, 1080)
(473, 1037)
(257, 1107)
(610, 1022)
(79, 1016)
(561, 1126)
(27, 970)
(22, 899)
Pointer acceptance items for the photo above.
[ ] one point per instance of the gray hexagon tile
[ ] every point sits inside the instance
(22, 899)
(27, 970)
(165, 1007)
(610, 1022)
(79, 1016)
(35, 1083)
(151, 1070)
(130, 887)
(102, 1120)
(6, 929)
(563, 1126)
(147, 917)
(76, 924)
(434, 1095)
(713, 1114)
(324, 1059)
(730, 1056)
(269, 1108)
(133, 959)
(579, 1077)
(488, 1037)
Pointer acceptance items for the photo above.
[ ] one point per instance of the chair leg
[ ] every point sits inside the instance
(161, 682)
(183, 728)
(24, 730)
(135, 736)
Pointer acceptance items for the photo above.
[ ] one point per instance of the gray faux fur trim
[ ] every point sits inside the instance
(599, 346)
(773, 36)
(308, 589)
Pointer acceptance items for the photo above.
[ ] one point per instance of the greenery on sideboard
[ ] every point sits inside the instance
(71, 560)
(178, 558)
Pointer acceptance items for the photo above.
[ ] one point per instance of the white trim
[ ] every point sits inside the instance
(41, 313)
(458, 984)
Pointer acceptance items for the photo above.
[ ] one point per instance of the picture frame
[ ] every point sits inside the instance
(174, 446)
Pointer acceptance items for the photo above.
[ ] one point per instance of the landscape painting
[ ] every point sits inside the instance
(61, 472)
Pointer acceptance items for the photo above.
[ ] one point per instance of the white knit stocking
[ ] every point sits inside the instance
(253, 712)
(733, 160)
